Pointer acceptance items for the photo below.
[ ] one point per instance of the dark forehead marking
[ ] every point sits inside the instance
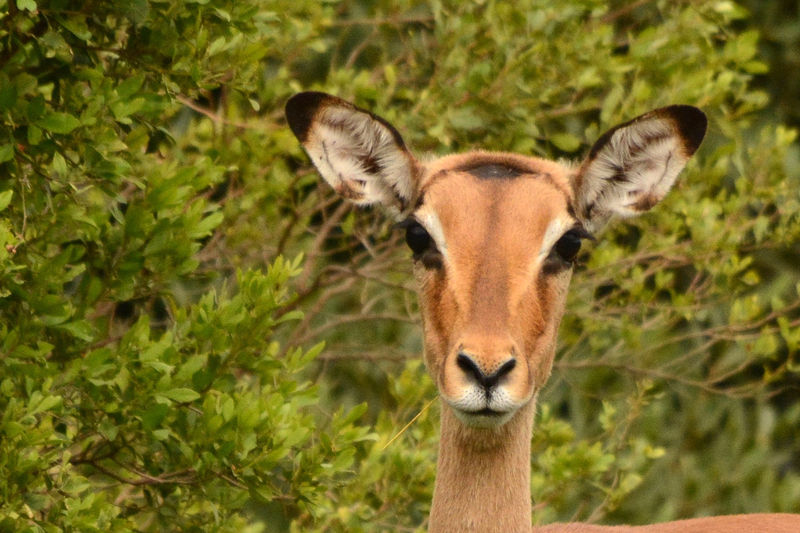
(487, 170)
(492, 171)
(497, 171)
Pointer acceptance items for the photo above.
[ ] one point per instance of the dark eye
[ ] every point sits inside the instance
(568, 246)
(417, 238)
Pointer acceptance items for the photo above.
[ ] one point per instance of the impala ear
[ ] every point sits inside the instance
(359, 154)
(633, 166)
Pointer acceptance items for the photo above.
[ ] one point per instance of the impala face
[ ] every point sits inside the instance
(494, 236)
(492, 273)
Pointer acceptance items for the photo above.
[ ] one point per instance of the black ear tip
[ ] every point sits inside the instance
(307, 99)
(300, 110)
(692, 124)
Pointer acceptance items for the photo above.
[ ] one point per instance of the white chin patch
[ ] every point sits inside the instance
(475, 409)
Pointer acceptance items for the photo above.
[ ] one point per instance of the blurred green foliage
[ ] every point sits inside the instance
(161, 361)
(779, 27)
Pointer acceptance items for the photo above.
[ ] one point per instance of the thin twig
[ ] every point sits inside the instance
(399, 433)
(621, 12)
(215, 117)
(392, 21)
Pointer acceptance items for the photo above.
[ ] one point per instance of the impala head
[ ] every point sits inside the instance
(493, 235)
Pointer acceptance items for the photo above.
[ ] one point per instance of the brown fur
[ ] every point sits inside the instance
(480, 483)
(742, 523)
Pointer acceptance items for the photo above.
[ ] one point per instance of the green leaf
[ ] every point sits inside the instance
(565, 142)
(108, 430)
(207, 225)
(28, 5)
(59, 164)
(95, 362)
(8, 96)
(37, 502)
(130, 86)
(5, 198)
(77, 26)
(160, 366)
(161, 434)
(154, 415)
(76, 484)
(57, 122)
(80, 329)
(180, 394)
(125, 108)
(630, 481)
(136, 10)
(34, 135)
(466, 119)
(6, 152)
(294, 314)
(40, 404)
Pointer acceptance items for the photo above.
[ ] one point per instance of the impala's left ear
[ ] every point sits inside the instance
(361, 155)
(633, 166)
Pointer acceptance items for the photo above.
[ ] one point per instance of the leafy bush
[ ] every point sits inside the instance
(139, 390)
(153, 375)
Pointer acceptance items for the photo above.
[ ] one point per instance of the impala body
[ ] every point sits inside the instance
(494, 237)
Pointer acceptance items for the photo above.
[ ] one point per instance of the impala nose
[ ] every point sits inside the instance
(475, 372)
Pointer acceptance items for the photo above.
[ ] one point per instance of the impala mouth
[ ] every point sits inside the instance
(483, 418)
(487, 412)
(477, 407)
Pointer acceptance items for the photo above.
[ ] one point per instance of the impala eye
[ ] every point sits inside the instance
(417, 238)
(567, 247)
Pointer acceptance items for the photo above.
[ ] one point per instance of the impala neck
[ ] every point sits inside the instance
(483, 476)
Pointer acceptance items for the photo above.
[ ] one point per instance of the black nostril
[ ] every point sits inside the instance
(470, 367)
(505, 369)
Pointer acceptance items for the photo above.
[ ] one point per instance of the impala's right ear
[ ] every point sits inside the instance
(359, 154)
(633, 166)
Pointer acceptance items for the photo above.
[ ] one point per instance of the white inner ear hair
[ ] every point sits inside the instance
(635, 169)
(360, 157)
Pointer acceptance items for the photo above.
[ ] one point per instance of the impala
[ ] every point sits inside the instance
(494, 237)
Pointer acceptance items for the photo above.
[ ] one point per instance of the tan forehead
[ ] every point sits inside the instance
(457, 190)
(475, 219)
(519, 209)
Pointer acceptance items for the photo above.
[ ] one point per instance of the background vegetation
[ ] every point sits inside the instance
(170, 264)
